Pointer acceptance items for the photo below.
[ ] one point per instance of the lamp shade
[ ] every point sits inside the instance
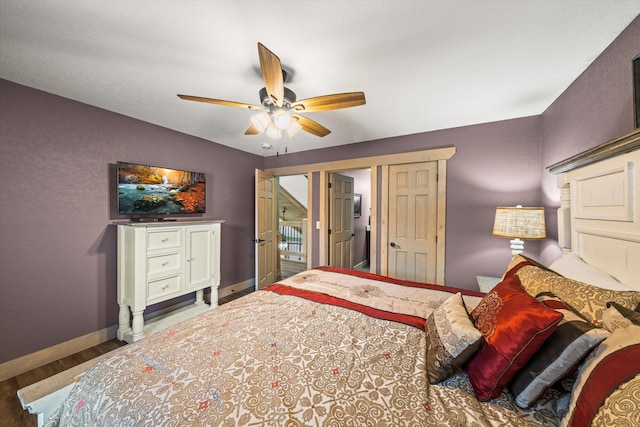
(520, 223)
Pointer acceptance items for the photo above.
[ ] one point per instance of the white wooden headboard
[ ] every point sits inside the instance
(599, 215)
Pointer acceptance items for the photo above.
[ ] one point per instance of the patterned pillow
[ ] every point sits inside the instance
(536, 280)
(590, 301)
(451, 339)
(519, 259)
(559, 354)
(514, 326)
(607, 383)
(630, 315)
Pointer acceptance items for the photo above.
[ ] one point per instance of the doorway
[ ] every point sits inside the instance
(292, 196)
(349, 205)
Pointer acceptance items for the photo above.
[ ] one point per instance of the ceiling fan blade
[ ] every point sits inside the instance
(330, 102)
(221, 102)
(311, 126)
(272, 74)
(253, 130)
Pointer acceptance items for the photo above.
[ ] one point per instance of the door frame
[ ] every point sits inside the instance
(441, 155)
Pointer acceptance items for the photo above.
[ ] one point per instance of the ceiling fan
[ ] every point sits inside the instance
(278, 109)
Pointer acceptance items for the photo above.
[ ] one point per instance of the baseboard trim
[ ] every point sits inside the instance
(50, 354)
(238, 287)
(42, 357)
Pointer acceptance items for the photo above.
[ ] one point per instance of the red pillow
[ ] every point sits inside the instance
(514, 326)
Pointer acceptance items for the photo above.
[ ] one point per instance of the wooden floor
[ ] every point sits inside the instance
(11, 412)
(289, 267)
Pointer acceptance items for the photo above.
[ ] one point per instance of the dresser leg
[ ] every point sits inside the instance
(214, 297)
(137, 325)
(124, 319)
(199, 297)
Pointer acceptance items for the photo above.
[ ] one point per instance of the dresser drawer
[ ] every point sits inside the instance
(159, 289)
(164, 239)
(163, 264)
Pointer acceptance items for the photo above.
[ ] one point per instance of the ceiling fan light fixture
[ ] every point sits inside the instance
(281, 118)
(273, 132)
(293, 128)
(261, 121)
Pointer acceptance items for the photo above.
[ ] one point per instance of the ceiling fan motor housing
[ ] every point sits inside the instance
(289, 97)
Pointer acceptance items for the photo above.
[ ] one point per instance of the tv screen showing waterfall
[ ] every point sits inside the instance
(154, 190)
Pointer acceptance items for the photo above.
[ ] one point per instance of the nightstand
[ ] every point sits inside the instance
(486, 283)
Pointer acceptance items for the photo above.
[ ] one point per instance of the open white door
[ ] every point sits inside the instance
(341, 221)
(265, 229)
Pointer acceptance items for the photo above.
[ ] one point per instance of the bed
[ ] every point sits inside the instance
(336, 347)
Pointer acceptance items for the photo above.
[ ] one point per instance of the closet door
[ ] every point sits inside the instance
(413, 209)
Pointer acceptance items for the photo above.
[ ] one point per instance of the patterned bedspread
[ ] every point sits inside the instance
(276, 357)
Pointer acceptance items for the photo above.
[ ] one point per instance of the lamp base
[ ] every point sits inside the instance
(517, 247)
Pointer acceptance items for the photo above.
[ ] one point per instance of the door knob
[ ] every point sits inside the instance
(258, 241)
(393, 245)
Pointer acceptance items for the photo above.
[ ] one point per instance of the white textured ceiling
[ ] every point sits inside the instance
(423, 65)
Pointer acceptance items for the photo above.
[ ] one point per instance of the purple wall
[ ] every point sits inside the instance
(496, 164)
(597, 107)
(57, 247)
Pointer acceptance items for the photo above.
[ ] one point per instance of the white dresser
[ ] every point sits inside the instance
(158, 261)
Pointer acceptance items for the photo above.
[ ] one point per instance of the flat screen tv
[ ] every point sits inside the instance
(151, 191)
